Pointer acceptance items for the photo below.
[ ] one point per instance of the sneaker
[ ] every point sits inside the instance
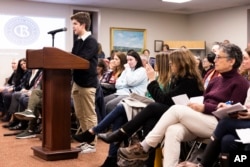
(26, 134)
(81, 144)
(88, 148)
(25, 115)
(134, 152)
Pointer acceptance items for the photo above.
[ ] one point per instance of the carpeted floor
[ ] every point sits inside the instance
(17, 152)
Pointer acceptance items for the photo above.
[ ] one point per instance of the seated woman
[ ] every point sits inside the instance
(245, 66)
(186, 123)
(21, 77)
(183, 78)
(132, 79)
(29, 85)
(31, 113)
(223, 138)
(109, 78)
(101, 68)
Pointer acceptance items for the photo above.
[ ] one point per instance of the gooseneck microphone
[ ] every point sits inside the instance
(57, 30)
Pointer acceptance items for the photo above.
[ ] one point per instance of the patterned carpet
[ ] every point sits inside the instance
(17, 152)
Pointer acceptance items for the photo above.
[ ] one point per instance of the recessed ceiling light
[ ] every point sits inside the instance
(176, 1)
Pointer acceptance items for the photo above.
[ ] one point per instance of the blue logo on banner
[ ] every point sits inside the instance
(21, 30)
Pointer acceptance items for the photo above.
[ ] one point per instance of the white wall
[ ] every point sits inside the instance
(211, 26)
(219, 25)
(159, 26)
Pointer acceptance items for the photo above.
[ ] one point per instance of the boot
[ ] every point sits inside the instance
(110, 162)
(84, 137)
(116, 136)
(6, 118)
(211, 153)
(22, 125)
(11, 124)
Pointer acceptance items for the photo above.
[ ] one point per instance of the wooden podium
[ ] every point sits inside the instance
(56, 112)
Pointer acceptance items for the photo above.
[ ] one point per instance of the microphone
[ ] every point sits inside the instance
(57, 30)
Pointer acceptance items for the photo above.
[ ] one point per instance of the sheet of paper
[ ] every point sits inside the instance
(197, 99)
(244, 135)
(181, 99)
(184, 100)
(222, 113)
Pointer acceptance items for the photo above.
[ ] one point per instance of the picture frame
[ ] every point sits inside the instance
(124, 39)
(158, 45)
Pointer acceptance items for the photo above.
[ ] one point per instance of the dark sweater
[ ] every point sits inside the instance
(230, 86)
(180, 86)
(86, 49)
(20, 84)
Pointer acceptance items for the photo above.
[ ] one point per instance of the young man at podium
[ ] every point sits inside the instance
(85, 81)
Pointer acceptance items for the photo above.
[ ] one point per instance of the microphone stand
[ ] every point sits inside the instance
(53, 38)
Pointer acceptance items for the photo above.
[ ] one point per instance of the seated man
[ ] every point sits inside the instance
(10, 82)
(31, 113)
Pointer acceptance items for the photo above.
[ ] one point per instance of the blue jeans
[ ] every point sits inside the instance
(117, 117)
(226, 134)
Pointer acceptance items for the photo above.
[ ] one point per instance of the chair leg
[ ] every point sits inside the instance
(191, 150)
(78, 130)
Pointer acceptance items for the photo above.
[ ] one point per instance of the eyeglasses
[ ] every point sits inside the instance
(220, 57)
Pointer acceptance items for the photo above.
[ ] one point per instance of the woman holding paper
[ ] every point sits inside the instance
(223, 140)
(185, 123)
(224, 136)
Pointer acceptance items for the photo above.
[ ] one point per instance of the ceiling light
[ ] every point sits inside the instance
(176, 1)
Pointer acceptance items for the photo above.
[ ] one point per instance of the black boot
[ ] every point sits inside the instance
(211, 153)
(6, 117)
(110, 162)
(12, 123)
(116, 136)
(22, 125)
(84, 137)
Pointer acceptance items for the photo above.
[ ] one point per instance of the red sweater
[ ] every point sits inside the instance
(230, 86)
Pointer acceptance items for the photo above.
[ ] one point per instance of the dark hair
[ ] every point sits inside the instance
(166, 45)
(20, 71)
(82, 18)
(145, 50)
(103, 65)
(137, 58)
(211, 57)
(233, 51)
(130, 50)
(123, 59)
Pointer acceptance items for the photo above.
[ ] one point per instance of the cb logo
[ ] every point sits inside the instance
(21, 30)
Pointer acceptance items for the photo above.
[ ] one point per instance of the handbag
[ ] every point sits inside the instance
(108, 89)
(140, 98)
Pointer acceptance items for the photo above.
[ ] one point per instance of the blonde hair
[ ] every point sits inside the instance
(162, 65)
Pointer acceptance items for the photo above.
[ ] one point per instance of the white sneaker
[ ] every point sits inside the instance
(87, 148)
(81, 144)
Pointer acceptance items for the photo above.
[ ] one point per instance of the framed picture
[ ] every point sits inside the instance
(158, 45)
(124, 39)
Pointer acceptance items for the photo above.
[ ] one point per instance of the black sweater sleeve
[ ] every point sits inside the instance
(187, 86)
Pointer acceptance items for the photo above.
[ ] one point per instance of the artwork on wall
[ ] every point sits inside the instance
(124, 39)
(158, 45)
